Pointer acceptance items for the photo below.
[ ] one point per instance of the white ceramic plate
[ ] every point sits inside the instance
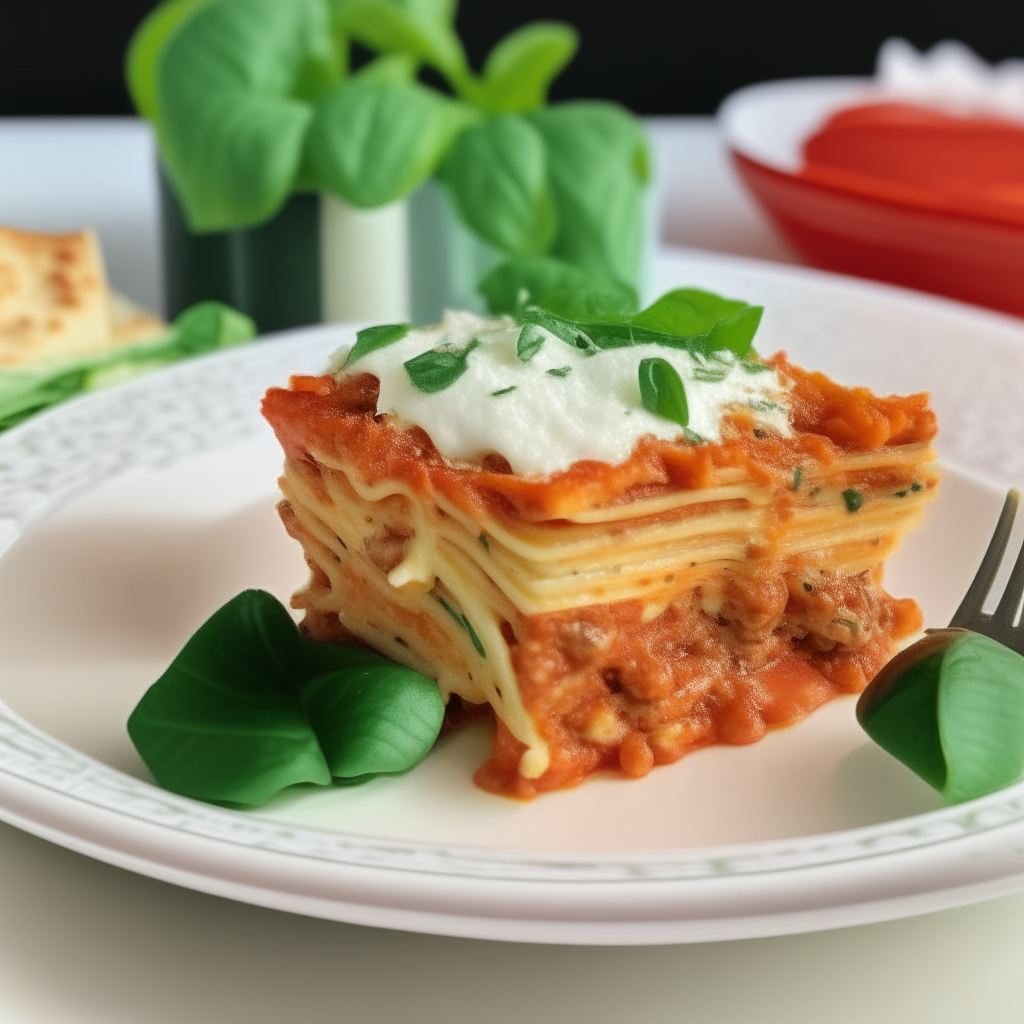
(130, 515)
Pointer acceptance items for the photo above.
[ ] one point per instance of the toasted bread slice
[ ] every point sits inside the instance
(55, 303)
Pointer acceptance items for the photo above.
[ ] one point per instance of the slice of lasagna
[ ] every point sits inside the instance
(507, 510)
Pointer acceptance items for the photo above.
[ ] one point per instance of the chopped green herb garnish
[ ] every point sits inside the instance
(483, 540)
(531, 340)
(901, 494)
(763, 405)
(662, 391)
(854, 499)
(798, 475)
(711, 374)
(439, 368)
(808, 588)
(851, 624)
(464, 623)
(372, 338)
(503, 391)
(692, 436)
(560, 371)
(755, 367)
(915, 487)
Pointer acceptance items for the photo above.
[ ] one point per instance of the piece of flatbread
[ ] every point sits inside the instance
(55, 303)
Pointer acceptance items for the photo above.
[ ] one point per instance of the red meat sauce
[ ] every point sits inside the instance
(606, 689)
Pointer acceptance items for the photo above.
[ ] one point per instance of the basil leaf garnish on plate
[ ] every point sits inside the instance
(951, 708)
(373, 720)
(662, 390)
(249, 706)
(437, 368)
(369, 339)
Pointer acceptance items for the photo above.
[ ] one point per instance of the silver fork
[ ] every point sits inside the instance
(1001, 624)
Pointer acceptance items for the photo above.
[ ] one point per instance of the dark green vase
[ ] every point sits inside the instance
(270, 272)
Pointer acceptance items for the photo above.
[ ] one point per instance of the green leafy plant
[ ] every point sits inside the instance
(249, 707)
(254, 99)
(951, 708)
(205, 327)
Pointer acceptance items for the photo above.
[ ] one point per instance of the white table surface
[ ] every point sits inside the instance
(82, 942)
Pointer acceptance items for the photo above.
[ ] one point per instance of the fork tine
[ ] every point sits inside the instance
(1005, 614)
(974, 599)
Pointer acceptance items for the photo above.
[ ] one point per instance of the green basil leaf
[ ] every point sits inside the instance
(560, 371)
(688, 312)
(685, 319)
(498, 175)
(373, 720)
(520, 69)
(373, 141)
(531, 341)
(250, 706)
(147, 46)
(369, 339)
(231, 91)
(691, 312)
(557, 286)
(434, 370)
(662, 391)
(225, 722)
(736, 332)
(396, 68)
(951, 708)
(597, 166)
(422, 28)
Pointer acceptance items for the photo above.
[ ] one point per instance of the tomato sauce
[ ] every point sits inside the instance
(973, 166)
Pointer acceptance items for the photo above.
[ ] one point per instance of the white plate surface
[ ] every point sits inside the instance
(129, 516)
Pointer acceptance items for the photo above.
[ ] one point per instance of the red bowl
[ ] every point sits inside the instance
(974, 258)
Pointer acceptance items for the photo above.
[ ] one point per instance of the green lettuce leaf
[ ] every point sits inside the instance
(205, 327)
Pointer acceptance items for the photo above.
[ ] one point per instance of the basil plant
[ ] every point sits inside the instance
(254, 101)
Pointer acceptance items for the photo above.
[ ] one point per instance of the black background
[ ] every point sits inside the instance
(63, 57)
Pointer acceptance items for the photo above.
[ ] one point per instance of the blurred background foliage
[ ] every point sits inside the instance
(64, 57)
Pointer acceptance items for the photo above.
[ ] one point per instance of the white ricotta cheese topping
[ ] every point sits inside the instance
(551, 420)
